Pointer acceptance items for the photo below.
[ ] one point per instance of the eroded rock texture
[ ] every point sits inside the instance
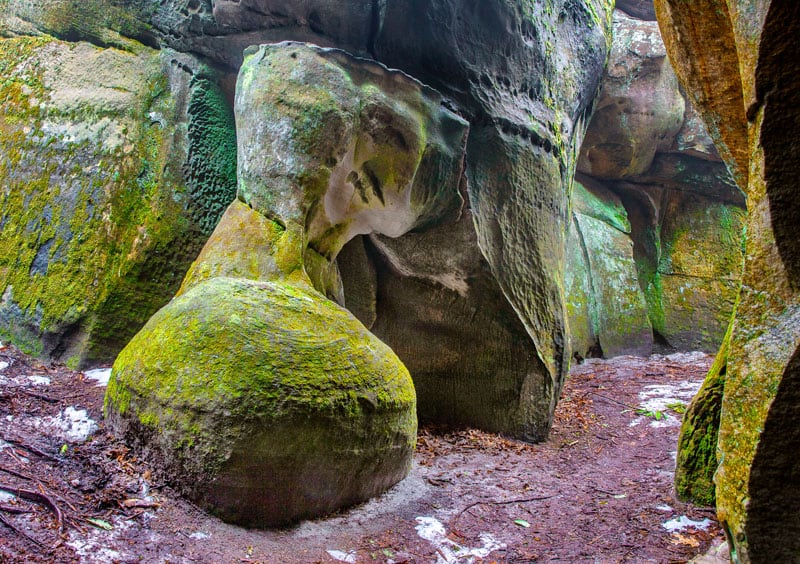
(678, 221)
(321, 166)
(116, 165)
(330, 148)
(739, 63)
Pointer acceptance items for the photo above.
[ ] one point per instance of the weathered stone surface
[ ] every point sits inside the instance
(713, 81)
(443, 313)
(700, 269)
(697, 460)
(330, 147)
(106, 23)
(333, 147)
(640, 110)
(739, 61)
(527, 93)
(117, 165)
(578, 295)
(264, 402)
(644, 146)
(617, 308)
(642, 9)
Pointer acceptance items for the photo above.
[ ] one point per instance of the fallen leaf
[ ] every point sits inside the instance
(686, 540)
(522, 523)
(100, 524)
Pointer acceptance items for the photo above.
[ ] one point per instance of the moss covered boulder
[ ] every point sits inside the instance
(265, 401)
(116, 167)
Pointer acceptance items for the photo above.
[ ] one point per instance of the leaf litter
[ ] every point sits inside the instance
(598, 490)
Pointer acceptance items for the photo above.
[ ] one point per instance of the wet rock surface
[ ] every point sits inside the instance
(647, 147)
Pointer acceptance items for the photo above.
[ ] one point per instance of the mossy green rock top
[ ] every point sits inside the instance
(265, 402)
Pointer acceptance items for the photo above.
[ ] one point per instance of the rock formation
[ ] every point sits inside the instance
(738, 62)
(326, 155)
(656, 247)
(116, 167)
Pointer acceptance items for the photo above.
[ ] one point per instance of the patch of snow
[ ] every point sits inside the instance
(5, 496)
(101, 375)
(74, 425)
(664, 507)
(449, 552)
(687, 357)
(3, 365)
(349, 557)
(29, 380)
(38, 380)
(656, 397)
(199, 535)
(683, 522)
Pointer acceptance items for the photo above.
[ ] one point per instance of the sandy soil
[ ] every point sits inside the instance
(599, 490)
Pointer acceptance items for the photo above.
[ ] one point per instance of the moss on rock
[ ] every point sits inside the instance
(109, 194)
(697, 458)
(265, 402)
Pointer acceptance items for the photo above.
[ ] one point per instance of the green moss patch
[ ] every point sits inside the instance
(217, 379)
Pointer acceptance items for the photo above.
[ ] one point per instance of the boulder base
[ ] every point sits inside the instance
(264, 402)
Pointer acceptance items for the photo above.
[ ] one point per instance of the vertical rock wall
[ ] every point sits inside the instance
(738, 62)
(647, 149)
(116, 166)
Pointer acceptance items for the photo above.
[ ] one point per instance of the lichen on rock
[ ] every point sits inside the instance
(99, 222)
(264, 402)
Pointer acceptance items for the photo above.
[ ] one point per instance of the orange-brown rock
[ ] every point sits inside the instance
(740, 62)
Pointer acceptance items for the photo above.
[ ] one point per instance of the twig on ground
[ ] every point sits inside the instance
(12, 509)
(507, 502)
(36, 395)
(37, 497)
(614, 401)
(15, 473)
(20, 532)
(29, 448)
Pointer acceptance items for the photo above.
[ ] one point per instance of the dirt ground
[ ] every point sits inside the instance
(599, 490)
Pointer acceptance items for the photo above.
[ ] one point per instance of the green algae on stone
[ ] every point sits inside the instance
(99, 223)
(699, 270)
(697, 458)
(234, 367)
(604, 301)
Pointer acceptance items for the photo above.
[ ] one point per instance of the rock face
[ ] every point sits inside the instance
(607, 306)
(677, 209)
(738, 62)
(642, 9)
(117, 165)
(264, 402)
(322, 166)
(526, 94)
(330, 147)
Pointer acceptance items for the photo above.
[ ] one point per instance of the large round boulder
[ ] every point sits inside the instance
(264, 402)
